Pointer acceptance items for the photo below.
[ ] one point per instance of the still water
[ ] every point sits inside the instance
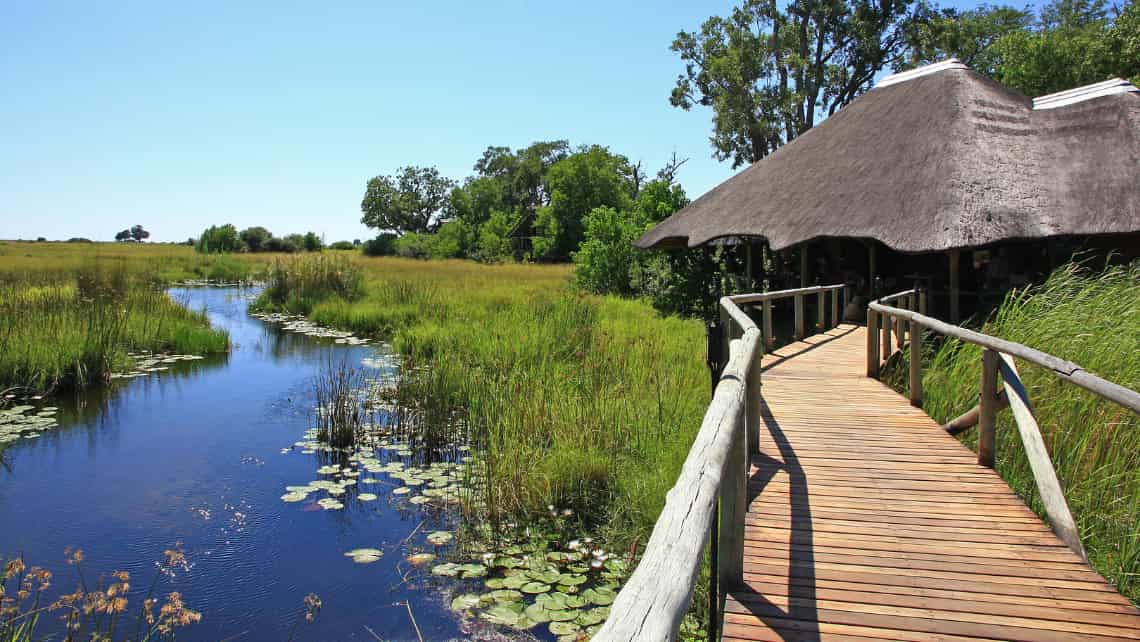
(194, 454)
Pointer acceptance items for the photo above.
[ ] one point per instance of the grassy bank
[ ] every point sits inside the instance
(578, 402)
(1093, 319)
(70, 312)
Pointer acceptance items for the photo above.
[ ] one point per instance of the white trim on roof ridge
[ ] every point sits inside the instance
(926, 70)
(1088, 92)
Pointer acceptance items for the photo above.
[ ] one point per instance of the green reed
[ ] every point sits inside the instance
(296, 284)
(1090, 317)
(72, 330)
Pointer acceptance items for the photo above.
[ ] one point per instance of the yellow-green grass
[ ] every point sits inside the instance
(163, 263)
(1092, 319)
(70, 312)
(574, 401)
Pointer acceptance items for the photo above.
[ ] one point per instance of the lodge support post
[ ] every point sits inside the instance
(871, 271)
(987, 408)
(955, 288)
(766, 323)
(820, 313)
(748, 282)
(922, 302)
(885, 322)
(915, 365)
(835, 308)
(803, 265)
(872, 343)
(799, 317)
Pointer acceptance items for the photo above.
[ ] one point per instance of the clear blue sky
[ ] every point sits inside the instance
(182, 115)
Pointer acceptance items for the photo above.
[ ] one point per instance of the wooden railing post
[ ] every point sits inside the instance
(987, 408)
(899, 327)
(799, 317)
(726, 324)
(885, 322)
(922, 302)
(915, 365)
(733, 506)
(820, 318)
(872, 343)
(835, 308)
(766, 323)
(752, 401)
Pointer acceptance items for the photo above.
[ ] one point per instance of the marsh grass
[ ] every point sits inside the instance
(1090, 317)
(580, 402)
(72, 330)
(296, 284)
(341, 414)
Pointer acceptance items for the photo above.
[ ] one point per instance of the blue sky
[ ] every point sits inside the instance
(182, 115)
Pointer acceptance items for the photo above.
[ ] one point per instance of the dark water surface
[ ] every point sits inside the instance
(193, 454)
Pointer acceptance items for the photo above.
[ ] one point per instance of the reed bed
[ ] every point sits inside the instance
(296, 284)
(574, 401)
(1091, 317)
(69, 329)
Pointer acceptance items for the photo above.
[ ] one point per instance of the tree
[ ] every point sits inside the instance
(255, 238)
(409, 201)
(382, 245)
(138, 233)
(474, 201)
(311, 242)
(590, 178)
(494, 241)
(342, 245)
(936, 35)
(768, 71)
(606, 257)
(522, 175)
(218, 239)
(125, 235)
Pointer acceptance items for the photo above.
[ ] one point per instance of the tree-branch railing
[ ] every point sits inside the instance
(908, 325)
(709, 501)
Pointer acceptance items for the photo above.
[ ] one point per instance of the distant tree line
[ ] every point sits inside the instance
(220, 239)
(547, 202)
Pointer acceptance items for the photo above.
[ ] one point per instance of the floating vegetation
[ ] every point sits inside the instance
(26, 422)
(365, 555)
(145, 363)
(300, 325)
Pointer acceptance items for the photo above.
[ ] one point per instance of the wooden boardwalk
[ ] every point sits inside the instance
(866, 521)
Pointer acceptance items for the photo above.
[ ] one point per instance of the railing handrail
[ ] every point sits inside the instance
(715, 472)
(1062, 368)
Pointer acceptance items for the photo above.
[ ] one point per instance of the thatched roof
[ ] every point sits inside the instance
(935, 159)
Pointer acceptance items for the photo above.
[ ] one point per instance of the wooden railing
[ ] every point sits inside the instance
(908, 325)
(709, 501)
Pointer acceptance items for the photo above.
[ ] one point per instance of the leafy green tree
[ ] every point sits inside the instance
(493, 242)
(342, 245)
(1125, 35)
(409, 201)
(138, 233)
(311, 242)
(277, 244)
(382, 245)
(1075, 44)
(522, 175)
(452, 240)
(219, 239)
(605, 260)
(590, 178)
(255, 238)
(770, 69)
(938, 34)
(474, 201)
(124, 235)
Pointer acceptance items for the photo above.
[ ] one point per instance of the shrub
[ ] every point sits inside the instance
(413, 246)
(606, 259)
(216, 238)
(383, 245)
(342, 245)
(493, 242)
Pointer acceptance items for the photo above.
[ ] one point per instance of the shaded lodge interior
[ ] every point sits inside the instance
(939, 177)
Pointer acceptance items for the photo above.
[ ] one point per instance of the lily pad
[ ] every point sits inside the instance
(465, 602)
(402, 490)
(507, 614)
(329, 503)
(365, 555)
(294, 497)
(600, 596)
(548, 575)
(535, 588)
(504, 596)
(420, 499)
(472, 571)
(515, 581)
(440, 538)
(568, 579)
(419, 559)
(495, 583)
(366, 497)
(447, 569)
(564, 628)
(592, 616)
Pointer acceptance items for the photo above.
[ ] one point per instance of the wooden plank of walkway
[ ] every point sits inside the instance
(867, 521)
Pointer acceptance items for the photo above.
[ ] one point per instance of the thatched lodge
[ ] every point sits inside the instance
(938, 176)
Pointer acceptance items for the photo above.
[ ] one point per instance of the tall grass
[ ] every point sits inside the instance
(574, 401)
(296, 284)
(1091, 318)
(52, 262)
(73, 329)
